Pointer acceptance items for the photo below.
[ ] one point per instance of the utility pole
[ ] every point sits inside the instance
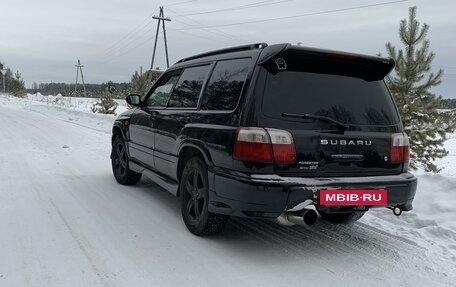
(161, 18)
(79, 68)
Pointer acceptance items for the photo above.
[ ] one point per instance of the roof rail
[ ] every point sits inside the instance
(226, 50)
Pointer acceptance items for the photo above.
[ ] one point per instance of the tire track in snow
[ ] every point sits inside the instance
(36, 109)
(366, 247)
(319, 250)
(101, 275)
(283, 242)
(322, 243)
(384, 233)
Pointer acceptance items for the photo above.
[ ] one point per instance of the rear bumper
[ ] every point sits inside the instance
(269, 195)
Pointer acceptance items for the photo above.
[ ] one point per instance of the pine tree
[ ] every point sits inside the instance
(141, 82)
(411, 85)
(106, 105)
(17, 85)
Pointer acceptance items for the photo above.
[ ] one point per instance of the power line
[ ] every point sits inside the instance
(127, 38)
(179, 3)
(203, 30)
(293, 16)
(215, 31)
(127, 51)
(203, 37)
(147, 40)
(130, 33)
(122, 44)
(119, 52)
(114, 50)
(241, 7)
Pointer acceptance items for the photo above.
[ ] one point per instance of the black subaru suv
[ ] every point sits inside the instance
(259, 131)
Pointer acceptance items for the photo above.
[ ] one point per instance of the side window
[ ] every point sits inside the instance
(160, 96)
(188, 88)
(225, 85)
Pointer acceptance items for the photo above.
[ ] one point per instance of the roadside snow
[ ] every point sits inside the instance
(65, 222)
(448, 163)
(68, 109)
(431, 224)
(72, 103)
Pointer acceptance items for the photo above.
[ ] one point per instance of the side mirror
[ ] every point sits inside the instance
(133, 100)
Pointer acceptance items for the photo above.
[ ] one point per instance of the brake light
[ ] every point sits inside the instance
(400, 148)
(343, 55)
(282, 146)
(264, 145)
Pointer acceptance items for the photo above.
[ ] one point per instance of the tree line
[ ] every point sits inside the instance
(139, 84)
(71, 90)
(448, 104)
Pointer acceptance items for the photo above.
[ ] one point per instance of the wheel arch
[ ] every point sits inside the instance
(117, 130)
(189, 150)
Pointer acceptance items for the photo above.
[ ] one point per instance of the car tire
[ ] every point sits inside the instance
(120, 163)
(194, 193)
(341, 217)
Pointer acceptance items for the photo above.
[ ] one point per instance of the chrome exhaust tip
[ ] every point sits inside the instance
(305, 217)
(310, 216)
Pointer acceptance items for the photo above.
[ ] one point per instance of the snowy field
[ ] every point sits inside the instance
(65, 221)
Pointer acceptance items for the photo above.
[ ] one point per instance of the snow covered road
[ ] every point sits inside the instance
(64, 221)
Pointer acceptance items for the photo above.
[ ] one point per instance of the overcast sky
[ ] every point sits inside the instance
(113, 38)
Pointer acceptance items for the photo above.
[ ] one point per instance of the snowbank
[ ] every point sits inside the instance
(72, 103)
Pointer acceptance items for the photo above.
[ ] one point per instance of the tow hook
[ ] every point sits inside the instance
(396, 210)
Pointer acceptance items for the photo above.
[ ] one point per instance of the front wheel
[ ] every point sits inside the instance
(120, 163)
(194, 192)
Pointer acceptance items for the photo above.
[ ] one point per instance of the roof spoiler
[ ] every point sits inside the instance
(328, 61)
(226, 50)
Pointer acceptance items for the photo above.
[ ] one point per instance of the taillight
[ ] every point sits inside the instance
(400, 148)
(282, 146)
(264, 145)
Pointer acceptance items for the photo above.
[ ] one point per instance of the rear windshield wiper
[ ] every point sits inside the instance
(317, 117)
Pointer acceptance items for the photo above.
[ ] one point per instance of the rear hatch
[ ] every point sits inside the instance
(336, 107)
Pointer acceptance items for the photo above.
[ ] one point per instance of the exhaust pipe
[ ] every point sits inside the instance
(303, 218)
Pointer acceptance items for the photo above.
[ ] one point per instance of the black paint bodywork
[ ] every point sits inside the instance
(159, 139)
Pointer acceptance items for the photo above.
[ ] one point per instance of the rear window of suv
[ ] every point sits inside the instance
(346, 99)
